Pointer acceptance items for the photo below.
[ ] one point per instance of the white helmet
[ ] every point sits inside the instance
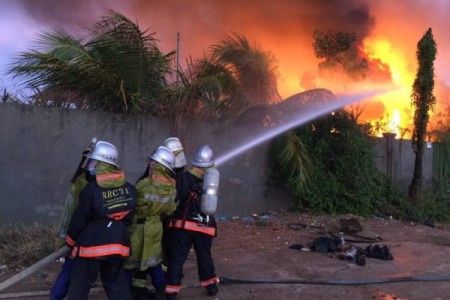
(90, 147)
(106, 152)
(174, 144)
(164, 156)
(204, 157)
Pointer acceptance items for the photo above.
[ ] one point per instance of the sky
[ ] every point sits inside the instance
(387, 34)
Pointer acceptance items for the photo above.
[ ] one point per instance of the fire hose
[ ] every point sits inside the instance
(34, 268)
(354, 282)
(231, 281)
(224, 280)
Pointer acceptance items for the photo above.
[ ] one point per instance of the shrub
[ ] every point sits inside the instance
(345, 178)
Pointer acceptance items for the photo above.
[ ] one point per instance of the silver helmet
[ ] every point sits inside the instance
(90, 147)
(204, 157)
(106, 152)
(174, 144)
(164, 156)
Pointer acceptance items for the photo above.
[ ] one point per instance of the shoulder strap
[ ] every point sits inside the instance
(194, 195)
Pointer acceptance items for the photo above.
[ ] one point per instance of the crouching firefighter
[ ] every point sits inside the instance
(193, 223)
(98, 229)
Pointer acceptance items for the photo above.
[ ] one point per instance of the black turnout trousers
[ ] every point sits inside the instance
(180, 242)
(85, 271)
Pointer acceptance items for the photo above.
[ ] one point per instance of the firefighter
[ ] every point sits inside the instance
(79, 181)
(191, 226)
(174, 144)
(98, 229)
(155, 200)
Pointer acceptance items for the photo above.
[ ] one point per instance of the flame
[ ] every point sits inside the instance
(394, 122)
(398, 115)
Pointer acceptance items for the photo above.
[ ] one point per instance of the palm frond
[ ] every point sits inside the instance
(293, 159)
(253, 68)
(119, 69)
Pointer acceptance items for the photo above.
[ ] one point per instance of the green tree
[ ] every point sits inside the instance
(118, 69)
(423, 101)
(338, 51)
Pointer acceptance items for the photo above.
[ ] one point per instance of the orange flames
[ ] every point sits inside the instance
(398, 115)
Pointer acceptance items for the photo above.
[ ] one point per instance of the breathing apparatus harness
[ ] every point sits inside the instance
(189, 215)
(194, 199)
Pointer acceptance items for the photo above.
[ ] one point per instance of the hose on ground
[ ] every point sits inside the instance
(231, 281)
(363, 281)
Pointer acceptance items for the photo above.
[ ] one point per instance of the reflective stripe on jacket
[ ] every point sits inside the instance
(193, 226)
(103, 250)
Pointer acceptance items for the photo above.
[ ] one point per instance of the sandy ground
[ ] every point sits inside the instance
(254, 255)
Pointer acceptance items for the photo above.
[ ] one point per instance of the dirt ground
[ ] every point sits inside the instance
(254, 261)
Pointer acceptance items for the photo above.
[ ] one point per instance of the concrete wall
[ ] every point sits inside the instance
(395, 158)
(40, 149)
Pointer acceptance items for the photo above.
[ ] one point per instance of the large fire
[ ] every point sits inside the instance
(387, 33)
(398, 115)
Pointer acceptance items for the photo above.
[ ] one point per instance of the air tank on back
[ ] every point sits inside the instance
(208, 200)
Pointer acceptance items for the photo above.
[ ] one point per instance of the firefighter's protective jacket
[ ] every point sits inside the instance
(155, 200)
(188, 214)
(70, 205)
(99, 224)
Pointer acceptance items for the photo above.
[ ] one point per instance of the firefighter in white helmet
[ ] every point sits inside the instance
(174, 144)
(79, 180)
(155, 200)
(193, 223)
(98, 229)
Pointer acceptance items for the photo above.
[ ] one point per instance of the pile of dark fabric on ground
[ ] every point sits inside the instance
(329, 244)
(376, 251)
(324, 244)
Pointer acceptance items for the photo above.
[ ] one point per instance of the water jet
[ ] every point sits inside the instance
(310, 111)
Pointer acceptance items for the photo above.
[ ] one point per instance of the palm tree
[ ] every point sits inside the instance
(254, 69)
(232, 78)
(209, 89)
(119, 69)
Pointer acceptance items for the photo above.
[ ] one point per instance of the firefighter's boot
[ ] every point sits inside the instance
(212, 289)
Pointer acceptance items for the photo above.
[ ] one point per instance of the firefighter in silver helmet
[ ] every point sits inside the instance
(79, 180)
(155, 200)
(174, 144)
(98, 231)
(192, 226)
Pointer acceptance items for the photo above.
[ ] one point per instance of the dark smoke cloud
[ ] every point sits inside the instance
(283, 27)
(65, 14)
(211, 20)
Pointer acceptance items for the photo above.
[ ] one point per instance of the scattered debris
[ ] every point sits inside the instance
(351, 225)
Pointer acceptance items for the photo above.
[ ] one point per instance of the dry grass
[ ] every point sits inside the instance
(21, 245)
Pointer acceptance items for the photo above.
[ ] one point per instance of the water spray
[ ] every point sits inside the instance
(341, 101)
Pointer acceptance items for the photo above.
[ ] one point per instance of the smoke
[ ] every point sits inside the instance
(283, 27)
(201, 23)
(70, 15)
